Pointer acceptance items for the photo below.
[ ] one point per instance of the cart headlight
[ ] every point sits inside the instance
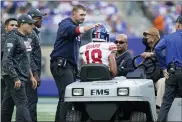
(123, 91)
(77, 92)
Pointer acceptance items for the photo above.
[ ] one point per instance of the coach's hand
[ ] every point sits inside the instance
(97, 24)
(37, 78)
(17, 84)
(34, 82)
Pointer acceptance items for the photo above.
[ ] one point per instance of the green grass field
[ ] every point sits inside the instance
(46, 109)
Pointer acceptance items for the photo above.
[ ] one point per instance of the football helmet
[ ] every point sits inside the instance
(100, 34)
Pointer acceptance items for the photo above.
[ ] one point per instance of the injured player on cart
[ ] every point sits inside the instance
(100, 50)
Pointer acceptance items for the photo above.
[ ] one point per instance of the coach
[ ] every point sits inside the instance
(35, 63)
(16, 71)
(9, 25)
(64, 57)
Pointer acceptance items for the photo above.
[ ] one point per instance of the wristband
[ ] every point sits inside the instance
(81, 29)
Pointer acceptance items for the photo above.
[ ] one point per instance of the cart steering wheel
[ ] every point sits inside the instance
(146, 67)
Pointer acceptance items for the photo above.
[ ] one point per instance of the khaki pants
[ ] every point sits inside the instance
(160, 86)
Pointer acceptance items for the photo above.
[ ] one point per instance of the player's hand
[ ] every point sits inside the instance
(165, 73)
(34, 82)
(146, 55)
(17, 84)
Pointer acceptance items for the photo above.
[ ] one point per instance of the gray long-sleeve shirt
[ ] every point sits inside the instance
(16, 56)
(36, 54)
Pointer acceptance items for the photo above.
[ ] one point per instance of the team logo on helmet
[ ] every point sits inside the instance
(100, 34)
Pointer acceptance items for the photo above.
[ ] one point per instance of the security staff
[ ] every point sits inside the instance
(35, 57)
(124, 58)
(171, 66)
(9, 25)
(65, 55)
(16, 71)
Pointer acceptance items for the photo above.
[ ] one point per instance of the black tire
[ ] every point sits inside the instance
(73, 116)
(138, 117)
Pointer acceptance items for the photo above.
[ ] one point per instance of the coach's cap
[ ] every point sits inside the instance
(25, 18)
(152, 31)
(179, 19)
(36, 13)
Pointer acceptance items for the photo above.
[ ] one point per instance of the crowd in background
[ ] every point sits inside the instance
(161, 15)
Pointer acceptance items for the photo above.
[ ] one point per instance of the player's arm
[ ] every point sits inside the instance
(81, 52)
(112, 64)
(81, 61)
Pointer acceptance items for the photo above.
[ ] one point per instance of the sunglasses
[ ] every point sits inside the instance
(120, 42)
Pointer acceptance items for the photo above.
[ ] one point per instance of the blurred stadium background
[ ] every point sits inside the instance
(129, 17)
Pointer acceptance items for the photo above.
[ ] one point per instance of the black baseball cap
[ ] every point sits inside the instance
(179, 19)
(25, 18)
(36, 13)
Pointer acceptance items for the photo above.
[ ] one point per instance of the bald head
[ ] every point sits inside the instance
(122, 43)
(122, 37)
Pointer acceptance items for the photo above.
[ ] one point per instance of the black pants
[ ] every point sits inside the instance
(32, 101)
(172, 85)
(3, 86)
(62, 77)
(14, 97)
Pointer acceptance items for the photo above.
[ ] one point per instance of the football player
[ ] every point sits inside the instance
(100, 50)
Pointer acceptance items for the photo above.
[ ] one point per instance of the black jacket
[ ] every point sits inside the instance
(16, 57)
(36, 54)
(67, 42)
(3, 39)
(124, 63)
(157, 74)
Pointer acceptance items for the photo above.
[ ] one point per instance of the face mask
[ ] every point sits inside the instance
(144, 40)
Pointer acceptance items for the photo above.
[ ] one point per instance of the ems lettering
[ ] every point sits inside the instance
(99, 91)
